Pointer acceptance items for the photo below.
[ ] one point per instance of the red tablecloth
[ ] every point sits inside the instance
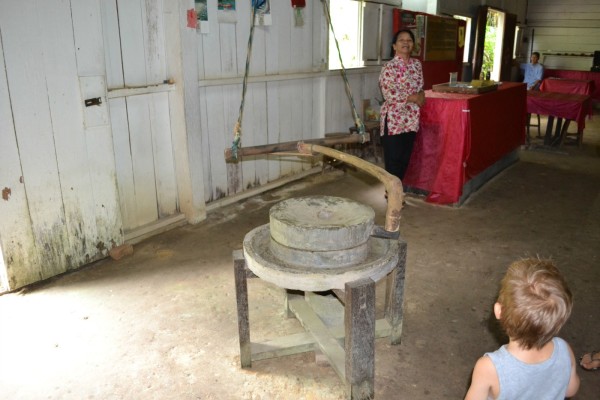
(561, 105)
(570, 86)
(462, 135)
(584, 75)
(573, 86)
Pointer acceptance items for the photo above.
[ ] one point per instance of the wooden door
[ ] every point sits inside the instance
(138, 90)
(510, 26)
(479, 41)
(59, 207)
(508, 39)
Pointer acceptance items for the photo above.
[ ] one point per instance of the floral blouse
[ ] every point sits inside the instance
(398, 80)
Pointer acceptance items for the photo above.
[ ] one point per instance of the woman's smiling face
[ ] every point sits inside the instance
(404, 45)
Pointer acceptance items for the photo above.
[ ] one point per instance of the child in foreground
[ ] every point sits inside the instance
(533, 305)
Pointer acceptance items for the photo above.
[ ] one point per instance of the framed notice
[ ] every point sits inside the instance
(440, 38)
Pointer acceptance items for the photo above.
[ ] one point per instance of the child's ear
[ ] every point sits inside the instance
(498, 310)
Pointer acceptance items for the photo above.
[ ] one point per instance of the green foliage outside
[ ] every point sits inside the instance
(489, 43)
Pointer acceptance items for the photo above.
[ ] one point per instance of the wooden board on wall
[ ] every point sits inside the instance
(440, 38)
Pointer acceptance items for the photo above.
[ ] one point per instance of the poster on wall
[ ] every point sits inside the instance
(202, 15)
(262, 14)
(415, 23)
(226, 11)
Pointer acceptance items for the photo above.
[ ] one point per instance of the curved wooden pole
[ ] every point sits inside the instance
(342, 138)
(392, 183)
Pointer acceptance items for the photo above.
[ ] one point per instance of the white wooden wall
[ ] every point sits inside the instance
(135, 56)
(59, 209)
(571, 26)
(291, 96)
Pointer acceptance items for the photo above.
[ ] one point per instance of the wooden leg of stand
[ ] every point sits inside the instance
(394, 296)
(241, 295)
(359, 321)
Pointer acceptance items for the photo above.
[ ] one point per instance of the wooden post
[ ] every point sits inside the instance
(241, 295)
(394, 295)
(359, 322)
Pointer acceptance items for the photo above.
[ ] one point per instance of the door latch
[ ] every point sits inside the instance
(96, 101)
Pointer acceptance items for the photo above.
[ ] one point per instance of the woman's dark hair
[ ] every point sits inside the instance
(412, 36)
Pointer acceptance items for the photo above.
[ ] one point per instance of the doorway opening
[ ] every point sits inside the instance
(492, 49)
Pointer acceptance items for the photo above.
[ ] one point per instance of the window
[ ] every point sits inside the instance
(346, 19)
(363, 30)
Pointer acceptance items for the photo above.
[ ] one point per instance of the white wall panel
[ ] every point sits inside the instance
(209, 57)
(571, 27)
(142, 158)
(123, 161)
(154, 41)
(287, 131)
(131, 27)
(162, 147)
(259, 134)
(66, 113)
(89, 47)
(16, 234)
(112, 44)
(201, 144)
(218, 140)
(273, 126)
(24, 54)
(286, 53)
(228, 53)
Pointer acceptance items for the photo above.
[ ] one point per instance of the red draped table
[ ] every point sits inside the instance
(585, 87)
(571, 107)
(577, 75)
(466, 138)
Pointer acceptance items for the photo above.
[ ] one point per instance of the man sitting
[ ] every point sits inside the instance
(534, 72)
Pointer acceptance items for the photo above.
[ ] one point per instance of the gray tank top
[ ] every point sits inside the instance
(547, 380)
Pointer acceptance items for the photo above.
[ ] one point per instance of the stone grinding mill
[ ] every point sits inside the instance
(328, 244)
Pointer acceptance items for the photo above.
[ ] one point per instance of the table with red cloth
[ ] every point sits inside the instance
(572, 107)
(570, 86)
(578, 75)
(463, 135)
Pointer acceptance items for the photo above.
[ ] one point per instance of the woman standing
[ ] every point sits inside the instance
(401, 83)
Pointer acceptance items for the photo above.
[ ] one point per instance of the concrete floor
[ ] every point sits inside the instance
(161, 324)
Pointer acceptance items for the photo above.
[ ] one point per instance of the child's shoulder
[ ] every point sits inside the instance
(484, 380)
(485, 370)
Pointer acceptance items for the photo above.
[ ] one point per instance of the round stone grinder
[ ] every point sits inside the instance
(318, 243)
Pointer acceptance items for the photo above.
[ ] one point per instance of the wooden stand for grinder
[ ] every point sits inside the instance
(354, 360)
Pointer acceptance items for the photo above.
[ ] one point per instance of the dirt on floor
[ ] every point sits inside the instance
(161, 324)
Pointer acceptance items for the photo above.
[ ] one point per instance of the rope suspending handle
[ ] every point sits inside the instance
(237, 129)
(360, 126)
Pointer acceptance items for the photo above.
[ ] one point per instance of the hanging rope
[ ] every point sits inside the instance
(237, 129)
(357, 120)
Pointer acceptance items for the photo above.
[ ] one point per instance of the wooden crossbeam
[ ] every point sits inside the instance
(303, 342)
